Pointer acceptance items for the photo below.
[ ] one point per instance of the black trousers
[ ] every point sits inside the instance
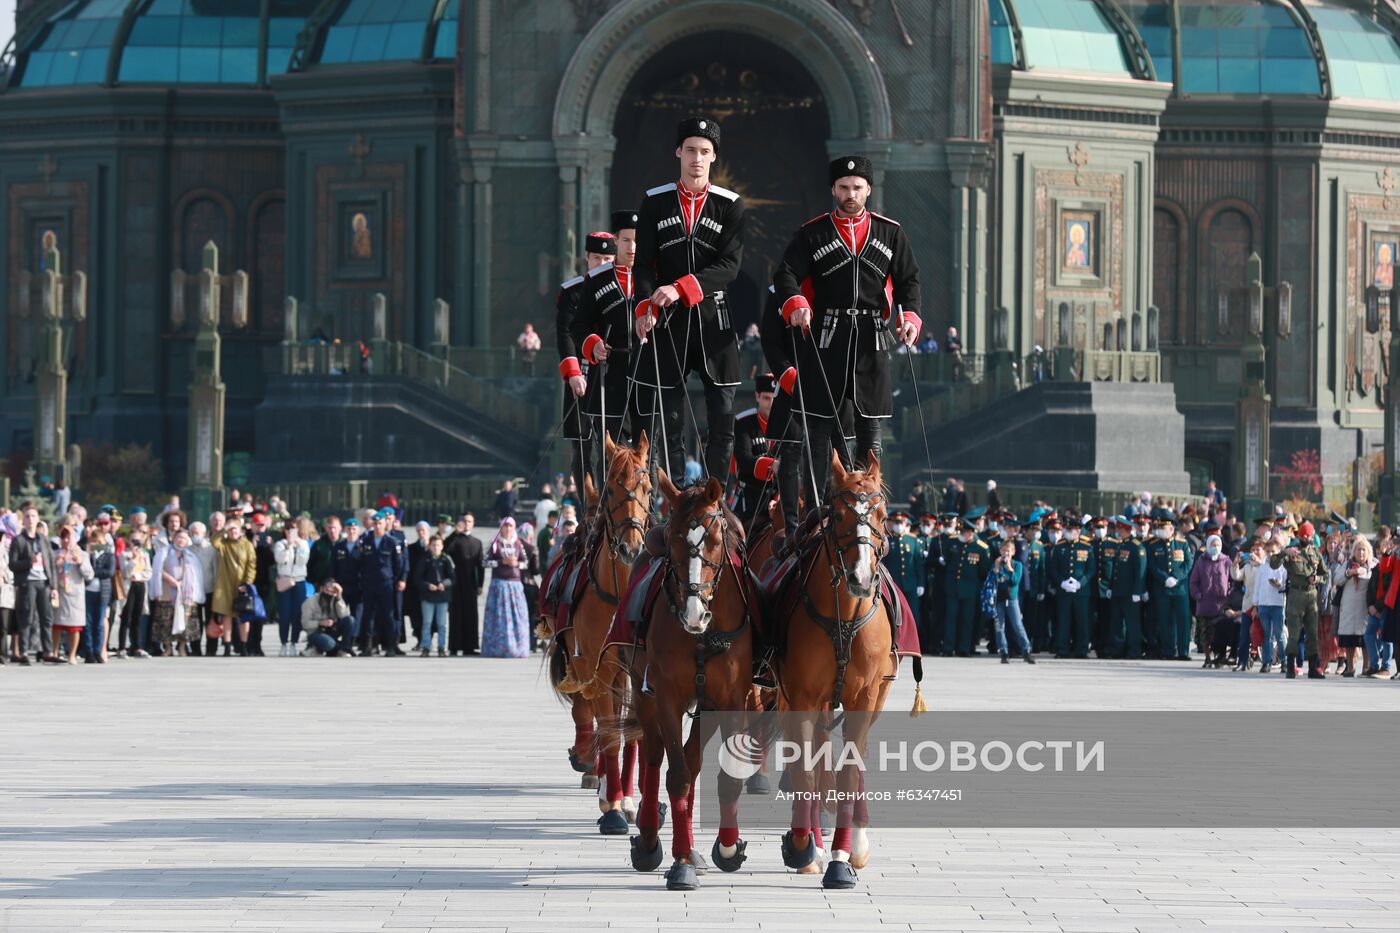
(850, 434)
(672, 408)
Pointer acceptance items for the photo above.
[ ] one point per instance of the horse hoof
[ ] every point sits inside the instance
(840, 876)
(798, 858)
(681, 877)
(661, 810)
(577, 764)
(860, 848)
(733, 862)
(646, 861)
(757, 785)
(589, 782)
(697, 861)
(612, 823)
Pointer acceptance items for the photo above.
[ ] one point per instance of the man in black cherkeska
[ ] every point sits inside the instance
(690, 240)
(602, 330)
(599, 247)
(847, 288)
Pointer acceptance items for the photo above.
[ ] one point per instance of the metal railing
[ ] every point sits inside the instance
(429, 370)
(419, 498)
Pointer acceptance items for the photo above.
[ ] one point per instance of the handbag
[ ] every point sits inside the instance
(256, 611)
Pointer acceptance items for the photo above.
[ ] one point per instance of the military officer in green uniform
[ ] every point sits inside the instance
(947, 558)
(965, 578)
(1054, 541)
(1168, 568)
(1129, 591)
(1032, 557)
(931, 605)
(905, 560)
(1303, 564)
(1142, 533)
(1105, 547)
(1072, 572)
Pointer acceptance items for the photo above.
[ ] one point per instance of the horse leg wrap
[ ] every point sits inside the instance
(862, 810)
(583, 741)
(841, 840)
(649, 817)
(814, 817)
(682, 841)
(610, 767)
(729, 823)
(629, 769)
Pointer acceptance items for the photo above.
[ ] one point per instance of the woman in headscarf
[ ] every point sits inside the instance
(506, 629)
(177, 586)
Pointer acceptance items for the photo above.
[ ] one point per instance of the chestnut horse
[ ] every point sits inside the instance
(698, 652)
(839, 653)
(597, 682)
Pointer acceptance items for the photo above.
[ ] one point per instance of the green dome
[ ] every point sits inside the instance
(1257, 48)
(219, 42)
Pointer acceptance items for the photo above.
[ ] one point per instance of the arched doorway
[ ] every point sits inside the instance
(775, 130)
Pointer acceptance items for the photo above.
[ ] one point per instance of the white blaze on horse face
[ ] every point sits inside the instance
(694, 608)
(865, 550)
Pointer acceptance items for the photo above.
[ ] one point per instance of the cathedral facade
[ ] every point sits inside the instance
(1072, 173)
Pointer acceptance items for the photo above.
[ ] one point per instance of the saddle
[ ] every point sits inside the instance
(782, 588)
(564, 581)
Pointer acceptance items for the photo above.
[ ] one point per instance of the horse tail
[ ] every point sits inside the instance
(561, 677)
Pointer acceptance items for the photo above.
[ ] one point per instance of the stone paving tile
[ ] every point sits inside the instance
(431, 795)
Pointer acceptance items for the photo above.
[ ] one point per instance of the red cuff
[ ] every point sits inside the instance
(791, 305)
(568, 368)
(691, 292)
(763, 468)
(590, 344)
(644, 308)
(787, 379)
(907, 317)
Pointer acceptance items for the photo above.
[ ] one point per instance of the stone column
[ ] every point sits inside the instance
(51, 378)
(205, 469)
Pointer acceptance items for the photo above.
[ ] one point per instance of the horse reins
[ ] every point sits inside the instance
(711, 642)
(841, 632)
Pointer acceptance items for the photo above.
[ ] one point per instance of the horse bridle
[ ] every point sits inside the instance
(613, 531)
(863, 506)
(842, 633)
(703, 590)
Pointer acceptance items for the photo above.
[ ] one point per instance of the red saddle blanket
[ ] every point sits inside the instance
(561, 586)
(781, 587)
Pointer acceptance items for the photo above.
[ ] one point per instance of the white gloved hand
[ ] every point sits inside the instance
(1171, 582)
(920, 591)
(1067, 586)
(941, 561)
(1136, 598)
(1144, 597)
(1039, 597)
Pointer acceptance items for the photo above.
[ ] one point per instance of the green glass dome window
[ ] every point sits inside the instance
(1153, 19)
(1069, 35)
(74, 47)
(1363, 57)
(377, 31)
(445, 44)
(1003, 45)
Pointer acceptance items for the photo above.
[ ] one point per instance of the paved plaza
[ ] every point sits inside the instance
(412, 794)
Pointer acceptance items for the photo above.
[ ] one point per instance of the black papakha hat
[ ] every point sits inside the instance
(703, 127)
(600, 241)
(851, 165)
(623, 220)
(765, 382)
